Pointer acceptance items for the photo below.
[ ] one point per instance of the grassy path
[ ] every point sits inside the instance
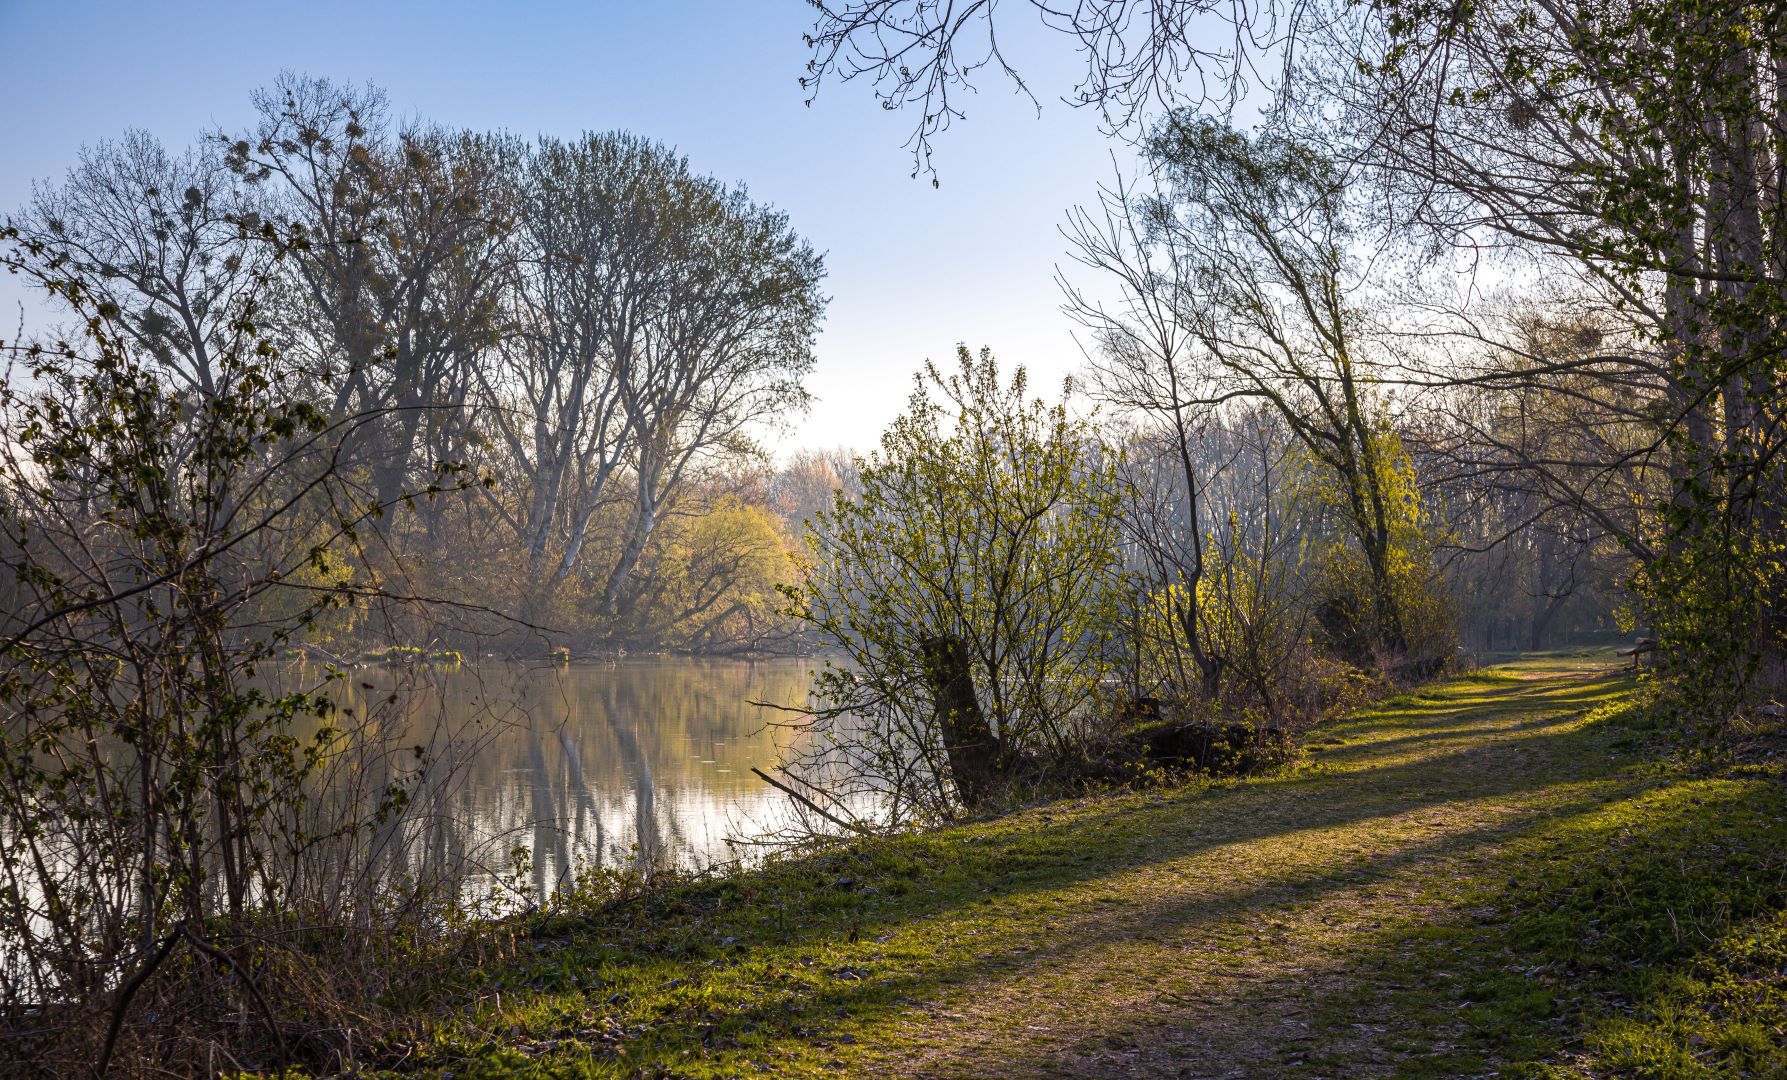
(1216, 950)
(1479, 876)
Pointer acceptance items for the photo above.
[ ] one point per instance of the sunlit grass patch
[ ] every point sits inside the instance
(1577, 925)
(1725, 1014)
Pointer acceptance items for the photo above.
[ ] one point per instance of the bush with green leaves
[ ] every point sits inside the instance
(988, 518)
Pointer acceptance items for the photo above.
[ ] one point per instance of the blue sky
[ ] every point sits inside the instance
(913, 269)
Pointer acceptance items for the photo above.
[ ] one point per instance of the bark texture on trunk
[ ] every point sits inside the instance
(969, 741)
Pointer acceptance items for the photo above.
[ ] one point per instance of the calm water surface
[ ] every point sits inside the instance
(601, 764)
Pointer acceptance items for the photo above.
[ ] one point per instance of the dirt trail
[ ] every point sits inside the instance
(1250, 926)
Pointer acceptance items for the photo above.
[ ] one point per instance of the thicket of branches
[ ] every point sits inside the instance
(1019, 591)
(1566, 223)
(969, 583)
(201, 858)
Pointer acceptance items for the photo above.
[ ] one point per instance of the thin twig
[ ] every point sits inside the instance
(811, 805)
(128, 992)
(254, 991)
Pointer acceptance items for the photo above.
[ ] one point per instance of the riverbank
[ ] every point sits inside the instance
(1495, 872)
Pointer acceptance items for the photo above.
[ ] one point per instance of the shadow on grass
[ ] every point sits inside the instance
(1465, 730)
(754, 961)
(1008, 858)
(1199, 921)
(701, 1009)
(1584, 919)
(1479, 697)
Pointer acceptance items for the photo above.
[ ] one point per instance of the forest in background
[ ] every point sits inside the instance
(602, 349)
(1475, 342)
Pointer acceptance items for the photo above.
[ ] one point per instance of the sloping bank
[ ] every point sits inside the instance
(1492, 873)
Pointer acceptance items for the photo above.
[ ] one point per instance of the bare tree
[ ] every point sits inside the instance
(553, 392)
(809, 481)
(1138, 54)
(714, 343)
(655, 322)
(1265, 227)
(166, 240)
(396, 255)
(1222, 608)
(1146, 363)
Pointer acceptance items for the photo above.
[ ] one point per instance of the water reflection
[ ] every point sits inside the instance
(602, 764)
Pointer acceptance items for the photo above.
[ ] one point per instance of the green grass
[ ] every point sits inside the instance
(1723, 1014)
(1490, 874)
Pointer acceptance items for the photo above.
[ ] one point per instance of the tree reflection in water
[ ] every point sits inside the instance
(606, 764)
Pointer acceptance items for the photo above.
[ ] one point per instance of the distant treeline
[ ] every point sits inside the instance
(548, 366)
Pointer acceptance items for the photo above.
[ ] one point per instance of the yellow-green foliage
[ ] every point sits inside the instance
(329, 569)
(1415, 599)
(707, 579)
(987, 516)
(714, 575)
(1709, 604)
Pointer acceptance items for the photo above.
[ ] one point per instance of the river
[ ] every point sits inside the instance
(616, 764)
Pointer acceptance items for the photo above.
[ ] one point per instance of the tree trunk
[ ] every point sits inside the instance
(972, 747)
(1543, 616)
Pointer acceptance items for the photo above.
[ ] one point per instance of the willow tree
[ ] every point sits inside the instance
(971, 584)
